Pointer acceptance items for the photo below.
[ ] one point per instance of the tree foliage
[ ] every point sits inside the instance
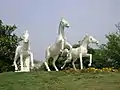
(8, 43)
(113, 49)
(109, 54)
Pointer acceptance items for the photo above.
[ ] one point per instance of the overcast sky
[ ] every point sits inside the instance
(41, 18)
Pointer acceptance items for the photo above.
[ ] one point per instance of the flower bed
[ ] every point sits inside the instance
(92, 70)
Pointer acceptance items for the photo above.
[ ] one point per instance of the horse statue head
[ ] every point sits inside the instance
(26, 36)
(64, 23)
(90, 39)
(93, 40)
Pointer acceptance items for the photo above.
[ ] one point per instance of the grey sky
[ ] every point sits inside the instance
(42, 17)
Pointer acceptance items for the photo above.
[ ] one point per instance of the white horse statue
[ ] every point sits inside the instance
(23, 51)
(81, 51)
(55, 49)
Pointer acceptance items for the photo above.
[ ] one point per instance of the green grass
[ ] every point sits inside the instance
(59, 81)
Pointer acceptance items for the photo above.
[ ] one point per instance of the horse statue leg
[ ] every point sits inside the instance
(47, 67)
(69, 58)
(70, 46)
(47, 56)
(54, 60)
(69, 55)
(15, 59)
(21, 61)
(32, 61)
(73, 63)
(81, 63)
(67, 61)
(89, 55)
(27, 64)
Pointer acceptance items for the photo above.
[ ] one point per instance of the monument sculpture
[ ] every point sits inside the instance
(26, 56)
(55, 49)
(81, 51)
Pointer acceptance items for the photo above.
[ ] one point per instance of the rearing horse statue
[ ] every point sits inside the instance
(55, 49)
(23, 51)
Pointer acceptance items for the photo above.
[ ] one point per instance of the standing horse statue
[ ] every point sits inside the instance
(81, 51)
(23, 51)
(55, 49)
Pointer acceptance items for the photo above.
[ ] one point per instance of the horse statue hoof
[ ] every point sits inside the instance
(17, 71)
(13, 65)
(61, 67)
(57, 70)
(49, 70)
(89, 65)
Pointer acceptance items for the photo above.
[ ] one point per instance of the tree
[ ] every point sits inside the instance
(113, 48)
(8, 44)
(109, 54)
(100, 57)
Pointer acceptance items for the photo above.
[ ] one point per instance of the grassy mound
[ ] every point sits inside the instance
(60, 81)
